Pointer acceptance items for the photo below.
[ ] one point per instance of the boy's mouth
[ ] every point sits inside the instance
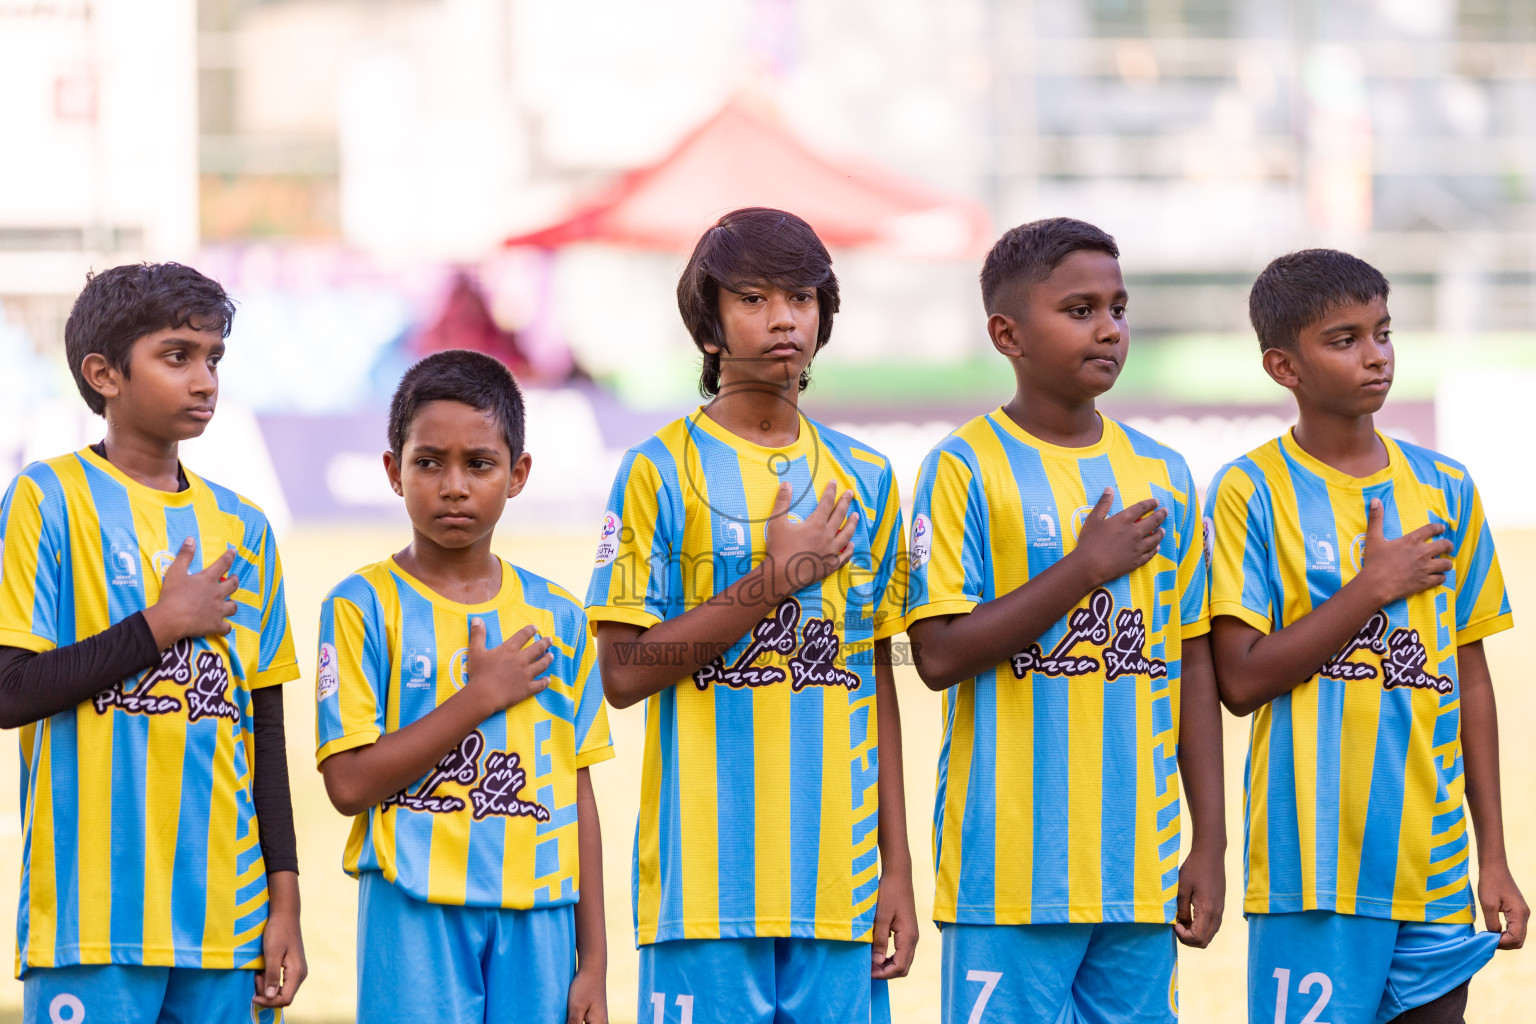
(1378, 384)
(201, 412)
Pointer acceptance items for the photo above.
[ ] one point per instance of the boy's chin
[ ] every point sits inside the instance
(449, 540)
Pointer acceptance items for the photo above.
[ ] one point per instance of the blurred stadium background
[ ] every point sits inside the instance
(377, 179)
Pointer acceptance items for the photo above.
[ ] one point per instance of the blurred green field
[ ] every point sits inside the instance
(1211, 980)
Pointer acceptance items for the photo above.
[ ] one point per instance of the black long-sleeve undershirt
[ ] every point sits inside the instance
(36, 685)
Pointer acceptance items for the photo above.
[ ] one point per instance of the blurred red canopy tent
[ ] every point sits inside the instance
(743, 158)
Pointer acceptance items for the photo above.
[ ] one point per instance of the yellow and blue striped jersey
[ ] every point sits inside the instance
(1354, 779)
(1058, 794)
(139, 836)
(758, 798)
(494, 823)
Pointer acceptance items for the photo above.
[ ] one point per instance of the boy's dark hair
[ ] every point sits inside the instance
(1299, 288)
(477, 380)
(751, 246)
(1027, 254)
(117, 307)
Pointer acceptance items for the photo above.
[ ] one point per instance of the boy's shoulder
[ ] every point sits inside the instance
(1148, 447)
(1255, 466)
(545, 593)
(53, 476)
(854, 454)
(1430, 466)
(363, 586)
(965, 442)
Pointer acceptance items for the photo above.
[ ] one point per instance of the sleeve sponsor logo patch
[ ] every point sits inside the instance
(329, 680)
(922, 540)
(608, 544)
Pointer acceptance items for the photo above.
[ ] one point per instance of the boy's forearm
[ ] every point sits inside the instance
(283, 892)
(951, 649)
(1200, 745)
(636, 663)
(1480, 753)
(891, 835)
(1254, 668)
(591, 928)
(359, 778)
(34, 686)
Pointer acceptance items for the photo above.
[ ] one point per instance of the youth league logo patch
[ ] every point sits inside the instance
(329, 680)
(608, 543)
(922, 540)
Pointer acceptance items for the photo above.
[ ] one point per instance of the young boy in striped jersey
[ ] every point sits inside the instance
(459, 708)
(1058, 600)
(143, 644)
(1353, 579)
(746, 589)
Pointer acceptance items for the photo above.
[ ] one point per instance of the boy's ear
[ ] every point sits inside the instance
(519, 476)
(101, 375)
(1280, 364)
(392, 470)
(1006, 334)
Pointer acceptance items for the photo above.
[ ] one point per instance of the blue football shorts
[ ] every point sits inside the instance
(760, 981)
(129, 994)
(1316, 965)
(1059, 973)
(459, 965)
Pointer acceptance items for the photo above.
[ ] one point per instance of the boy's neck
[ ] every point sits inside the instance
(151, 462)
(1057, 422)
(1348, 444)
(468, 575)
(764, 413)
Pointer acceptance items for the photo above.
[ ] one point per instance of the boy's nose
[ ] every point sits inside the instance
(204, 382)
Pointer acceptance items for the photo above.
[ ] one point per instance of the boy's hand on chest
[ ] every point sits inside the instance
(194, 604)
(1111, 546)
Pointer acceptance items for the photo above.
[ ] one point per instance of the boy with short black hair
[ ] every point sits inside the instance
(747, 587)
(1057, 599)
(459, 707)
(143, 644)
(1353, 579)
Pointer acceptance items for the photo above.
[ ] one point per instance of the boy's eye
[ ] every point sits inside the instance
(1118, 312)
(751, 300)
(803, 296)
(1080, 311)
(423, 463)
